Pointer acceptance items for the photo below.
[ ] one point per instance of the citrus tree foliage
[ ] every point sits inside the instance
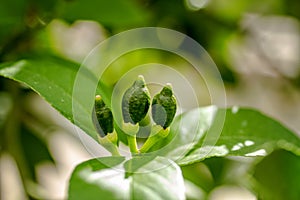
(266, 150)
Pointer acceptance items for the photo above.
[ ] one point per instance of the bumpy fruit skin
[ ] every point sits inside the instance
(136, 102)
(164, 107)
(104, 117)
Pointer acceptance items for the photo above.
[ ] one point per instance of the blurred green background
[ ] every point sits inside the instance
(255, 45)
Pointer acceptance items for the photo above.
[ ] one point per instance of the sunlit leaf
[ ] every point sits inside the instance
(105, 178)
(244, 132)
(53, 79)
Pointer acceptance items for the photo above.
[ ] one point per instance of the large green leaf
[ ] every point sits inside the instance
(107, 178)
(208, 132)
(53, 79)
(245, 132)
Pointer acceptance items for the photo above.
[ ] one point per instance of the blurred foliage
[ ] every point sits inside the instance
(23, 25)
(113, 13)
(277, 176)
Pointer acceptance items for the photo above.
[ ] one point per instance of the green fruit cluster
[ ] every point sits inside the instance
(136, 103)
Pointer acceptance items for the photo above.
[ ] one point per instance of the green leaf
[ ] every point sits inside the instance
(277, 176)
(88, 176)
(208, 132)
(113, 13)
(245, 132)
(107, 178)
(53, 79)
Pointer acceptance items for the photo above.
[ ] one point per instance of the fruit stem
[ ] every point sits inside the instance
(132, 144)
(157, 133)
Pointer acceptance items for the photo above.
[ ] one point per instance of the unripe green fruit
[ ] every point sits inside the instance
(136, 102)
(164, 107)
(104, 117)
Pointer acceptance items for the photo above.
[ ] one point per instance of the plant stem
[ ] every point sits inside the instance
(131, 131)
(157, 133)
(149, 143)
(132, 144)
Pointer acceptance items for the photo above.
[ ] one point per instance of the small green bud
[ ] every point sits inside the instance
(104, 117)
(136, 102)
(164, 107)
